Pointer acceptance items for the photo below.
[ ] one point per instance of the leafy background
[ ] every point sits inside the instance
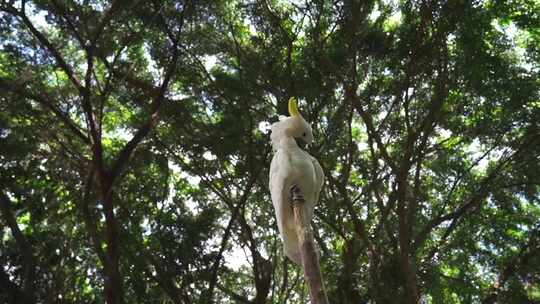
(134, 149)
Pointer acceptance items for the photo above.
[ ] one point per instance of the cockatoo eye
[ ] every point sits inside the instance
(304, 134)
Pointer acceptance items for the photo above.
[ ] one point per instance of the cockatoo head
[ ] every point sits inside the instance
(294, 126)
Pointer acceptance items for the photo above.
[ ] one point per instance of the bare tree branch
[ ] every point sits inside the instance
(46, 102)
(47, 44)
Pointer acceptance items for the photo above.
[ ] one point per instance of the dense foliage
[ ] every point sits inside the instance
(134, 149)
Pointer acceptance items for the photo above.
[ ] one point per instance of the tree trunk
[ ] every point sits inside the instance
(113, 280)
(28, 263)
(404, 226)
(308, 254)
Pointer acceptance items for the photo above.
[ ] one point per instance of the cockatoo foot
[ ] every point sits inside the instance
(296, 194)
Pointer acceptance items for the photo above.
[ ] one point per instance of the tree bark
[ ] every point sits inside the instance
(308, 254)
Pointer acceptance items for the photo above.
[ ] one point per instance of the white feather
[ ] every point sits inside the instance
(292, 166)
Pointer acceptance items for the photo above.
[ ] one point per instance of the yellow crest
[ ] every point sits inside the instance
(293, 108)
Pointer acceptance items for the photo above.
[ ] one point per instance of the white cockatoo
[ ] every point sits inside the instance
(292, 166)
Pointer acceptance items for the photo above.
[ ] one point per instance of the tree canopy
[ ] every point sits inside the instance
(134, 149)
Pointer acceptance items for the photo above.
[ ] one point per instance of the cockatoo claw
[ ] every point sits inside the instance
(296, 194)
